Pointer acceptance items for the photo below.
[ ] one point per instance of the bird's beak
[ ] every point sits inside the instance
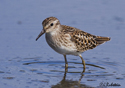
(41, 33)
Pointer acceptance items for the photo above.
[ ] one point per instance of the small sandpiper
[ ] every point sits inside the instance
(68, 40)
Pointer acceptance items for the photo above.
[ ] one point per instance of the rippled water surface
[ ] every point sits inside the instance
(25, 63)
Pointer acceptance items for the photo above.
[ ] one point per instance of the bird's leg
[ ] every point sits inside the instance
(83, 62)
(66, 63)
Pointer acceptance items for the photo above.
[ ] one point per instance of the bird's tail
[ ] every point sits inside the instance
(100, 39)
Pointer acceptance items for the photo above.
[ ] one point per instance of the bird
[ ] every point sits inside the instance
(68, 40)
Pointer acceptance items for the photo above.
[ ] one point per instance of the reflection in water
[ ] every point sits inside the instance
(70, 83)
(95, 66)
(52, 62)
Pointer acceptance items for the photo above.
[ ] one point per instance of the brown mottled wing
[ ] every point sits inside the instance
(85, 41)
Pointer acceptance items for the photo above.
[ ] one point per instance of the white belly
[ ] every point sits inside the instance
(65, 49)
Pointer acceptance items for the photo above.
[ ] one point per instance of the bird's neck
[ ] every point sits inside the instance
(56, 31)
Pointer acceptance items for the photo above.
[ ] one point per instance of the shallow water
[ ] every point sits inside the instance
(25, 63)
(36, 72)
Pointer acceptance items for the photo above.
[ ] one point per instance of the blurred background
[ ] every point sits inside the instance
(25, 63)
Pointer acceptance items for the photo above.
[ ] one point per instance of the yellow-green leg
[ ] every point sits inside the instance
(66, 63)
(83, 62)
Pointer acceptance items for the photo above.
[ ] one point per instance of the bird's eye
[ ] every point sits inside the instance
(51, 24)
